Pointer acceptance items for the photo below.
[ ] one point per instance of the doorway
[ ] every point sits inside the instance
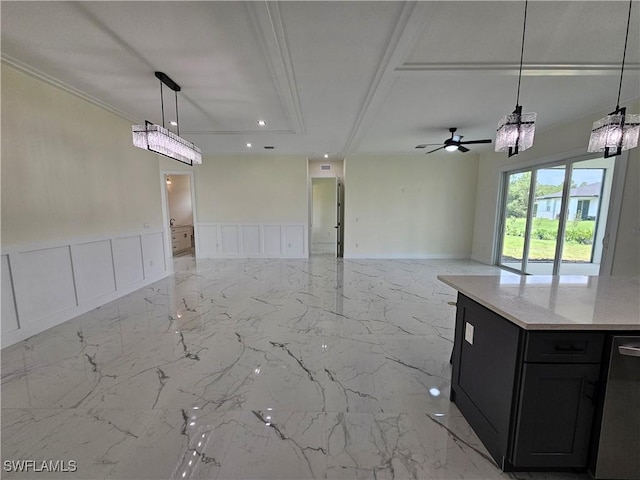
(179, 212)
(326, 216)
(326, 208)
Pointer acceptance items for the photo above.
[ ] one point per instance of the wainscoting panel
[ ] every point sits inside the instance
(294, 240)
(56, 281)
(9, 313)
(272, 240)
(127, 259)
(251, 240)
(207, 240)
(230, 239)
(93, 269)
(216, 240)
(153, 254)
(45, 283)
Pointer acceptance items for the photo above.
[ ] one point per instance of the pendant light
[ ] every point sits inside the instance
(617, 131)
(515, 130)
(158, 139)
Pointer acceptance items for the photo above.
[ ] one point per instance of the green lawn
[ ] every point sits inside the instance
(545, 250)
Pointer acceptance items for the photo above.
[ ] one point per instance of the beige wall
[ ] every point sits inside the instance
(410, 205)
(315, 168)
(69, 168)
(626, 259)
(251, 189)
(563, 141)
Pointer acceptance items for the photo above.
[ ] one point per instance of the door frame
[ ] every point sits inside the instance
(337, 184)
(166, 228)
(567, 159)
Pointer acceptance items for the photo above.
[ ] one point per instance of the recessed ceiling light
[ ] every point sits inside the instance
(262, 123)
(249, 145)
(173, 123)
(326, 155)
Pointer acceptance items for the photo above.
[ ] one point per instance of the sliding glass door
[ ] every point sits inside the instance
(586, 216)
(516, 206)
(553, 217)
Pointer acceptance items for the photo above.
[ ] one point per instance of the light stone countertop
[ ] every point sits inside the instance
(563, 302)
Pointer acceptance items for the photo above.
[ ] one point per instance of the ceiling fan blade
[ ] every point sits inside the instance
(469, 142)
(462, 149)
(426, 153)
(423, 145)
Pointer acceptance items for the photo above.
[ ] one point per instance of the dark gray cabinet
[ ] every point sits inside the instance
(554, 418)
(529, 395)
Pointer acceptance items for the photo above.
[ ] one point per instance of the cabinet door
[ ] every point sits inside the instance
(486, 361)
(555, 415)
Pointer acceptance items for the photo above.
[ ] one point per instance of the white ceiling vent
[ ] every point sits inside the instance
(325, 167)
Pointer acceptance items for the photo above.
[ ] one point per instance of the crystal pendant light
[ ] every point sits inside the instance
(618, 131)
(158, 139)
(515, 130)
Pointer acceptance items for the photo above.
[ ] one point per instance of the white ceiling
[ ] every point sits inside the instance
(330, 77)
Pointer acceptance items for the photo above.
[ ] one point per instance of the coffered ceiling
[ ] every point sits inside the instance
(330, 77)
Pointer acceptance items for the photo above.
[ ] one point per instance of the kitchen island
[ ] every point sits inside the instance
(531, 370)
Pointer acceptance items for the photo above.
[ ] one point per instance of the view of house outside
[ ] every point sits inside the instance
(582, 211)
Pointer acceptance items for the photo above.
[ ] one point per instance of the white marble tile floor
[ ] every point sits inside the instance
(252, 369)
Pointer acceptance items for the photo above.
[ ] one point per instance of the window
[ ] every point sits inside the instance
(565, 236)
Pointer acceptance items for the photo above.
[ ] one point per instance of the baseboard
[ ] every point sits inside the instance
(407, 256)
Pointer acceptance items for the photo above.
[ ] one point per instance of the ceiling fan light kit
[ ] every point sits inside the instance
(454, 143)
(516, 130)
(617, 131)
(158, 139)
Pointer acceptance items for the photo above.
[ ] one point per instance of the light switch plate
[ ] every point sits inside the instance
(468, 332)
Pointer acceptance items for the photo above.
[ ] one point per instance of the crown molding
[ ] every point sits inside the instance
(54, 82)
(267, 23)
(411, 22)
(530, 69)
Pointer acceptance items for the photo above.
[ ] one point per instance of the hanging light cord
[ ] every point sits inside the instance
(624, 54)
(524, 28)
(162, 103)
(177, 117)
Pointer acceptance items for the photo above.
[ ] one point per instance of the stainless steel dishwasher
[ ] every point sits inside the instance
(617, 454)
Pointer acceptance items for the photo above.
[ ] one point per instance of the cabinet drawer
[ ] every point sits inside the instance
(564, 347)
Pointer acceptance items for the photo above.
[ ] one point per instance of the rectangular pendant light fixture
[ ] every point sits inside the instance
(158, 139)
(617, 131)
(516, 130)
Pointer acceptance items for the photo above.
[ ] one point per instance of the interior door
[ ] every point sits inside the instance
(339, 218)
(324, 223)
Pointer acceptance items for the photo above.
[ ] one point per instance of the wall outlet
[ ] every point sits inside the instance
(468, 332)
(147, 225)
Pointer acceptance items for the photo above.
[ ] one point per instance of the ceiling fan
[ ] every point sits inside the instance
(454, 143)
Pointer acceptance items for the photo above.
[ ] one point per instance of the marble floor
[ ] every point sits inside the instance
(252, 369)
